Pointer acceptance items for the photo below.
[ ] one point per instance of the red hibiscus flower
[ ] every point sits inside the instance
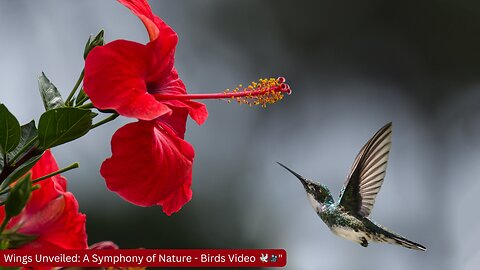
(151, 164)
(124, 75)
(51, 214)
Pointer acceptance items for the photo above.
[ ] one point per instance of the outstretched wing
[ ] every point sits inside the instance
(368, 170)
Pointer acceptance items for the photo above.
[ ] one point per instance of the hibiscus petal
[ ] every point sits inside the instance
(50, 188)
(174, 85)
(115, 78)
(149, 164)
(36, 222)
(155, 26)
(196, 110)
(46, 165)
(177, 121)
(178, 198)
(58, 225)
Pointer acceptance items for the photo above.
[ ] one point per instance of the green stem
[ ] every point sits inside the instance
(104, 121)
(5, 222)
(77, 84)
(86, 106)
(5, 190)
(23, 149)
(68, 168)
(83, 100)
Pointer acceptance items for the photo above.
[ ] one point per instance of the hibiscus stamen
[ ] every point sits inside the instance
(262, 93)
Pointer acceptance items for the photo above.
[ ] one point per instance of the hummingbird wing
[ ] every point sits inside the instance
(367, 173)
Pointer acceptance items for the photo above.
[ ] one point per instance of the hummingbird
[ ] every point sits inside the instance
(348, 218)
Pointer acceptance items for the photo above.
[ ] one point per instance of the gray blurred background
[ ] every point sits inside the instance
(353, 66)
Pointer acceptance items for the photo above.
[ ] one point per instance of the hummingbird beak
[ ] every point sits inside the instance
(301, 178)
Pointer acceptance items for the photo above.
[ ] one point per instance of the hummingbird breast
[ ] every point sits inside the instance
(351, 234)
(346, 225)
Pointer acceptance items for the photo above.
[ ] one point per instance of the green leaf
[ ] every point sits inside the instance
(9, 130)
(20, 171)
(18, 197)
(29, 133)
(62, 125)
(92, 42)
(50, 95)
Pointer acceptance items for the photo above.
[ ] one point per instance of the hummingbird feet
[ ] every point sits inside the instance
(364, 242)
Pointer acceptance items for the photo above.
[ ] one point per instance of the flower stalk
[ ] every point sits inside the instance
(68, 168)
(69, 100)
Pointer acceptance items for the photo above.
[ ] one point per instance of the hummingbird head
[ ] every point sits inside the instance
(318, 194)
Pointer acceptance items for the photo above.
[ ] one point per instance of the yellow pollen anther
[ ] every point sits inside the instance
(263, 92)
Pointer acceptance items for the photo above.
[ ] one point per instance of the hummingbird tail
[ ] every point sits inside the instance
(407, 243)
(386, 236)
